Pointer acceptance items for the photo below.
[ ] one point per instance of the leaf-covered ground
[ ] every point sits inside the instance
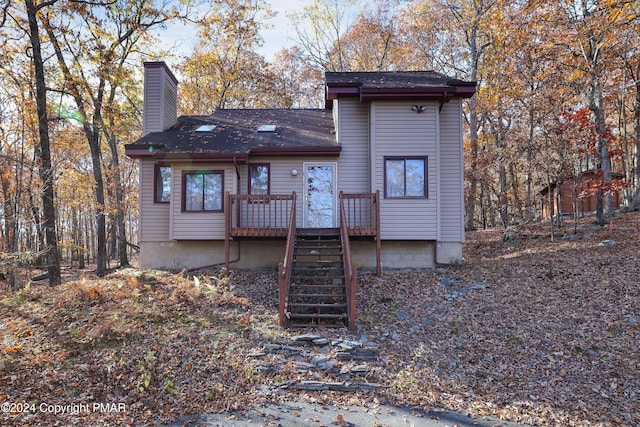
(534, 331)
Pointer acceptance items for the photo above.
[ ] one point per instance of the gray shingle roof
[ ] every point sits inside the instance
(297, 131)
(393, 80)
(236, 133)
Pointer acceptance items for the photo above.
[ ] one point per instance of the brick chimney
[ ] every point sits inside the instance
(160, 98)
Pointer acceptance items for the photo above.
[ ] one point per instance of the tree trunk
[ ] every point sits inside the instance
(604, 203)
(517, 202)
(117, 183)
(8, 215)
(77, 237)
(529, 213)
(46, 169)
(503, 199)
(91, 238)
(475, 52)
(473, 167)
(637, 129)
(551, 207)
(38, 241)
(92, 133)
(559, 213)
(101, 222)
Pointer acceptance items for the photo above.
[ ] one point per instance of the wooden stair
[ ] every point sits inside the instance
(317, 288)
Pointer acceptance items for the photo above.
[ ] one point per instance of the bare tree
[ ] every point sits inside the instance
(46, 169)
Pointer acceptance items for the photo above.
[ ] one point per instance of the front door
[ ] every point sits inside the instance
(320, 195)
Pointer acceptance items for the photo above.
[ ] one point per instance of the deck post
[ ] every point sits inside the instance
(285, 267)
(227, 228)
(378, 262)
(351, 289)
(283, 284)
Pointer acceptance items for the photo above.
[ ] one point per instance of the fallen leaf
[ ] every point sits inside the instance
(340, 421)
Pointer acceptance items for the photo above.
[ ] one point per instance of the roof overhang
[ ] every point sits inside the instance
(155, 151)
(453, 89)
(299, 151)
(142, 150)
(201, 158)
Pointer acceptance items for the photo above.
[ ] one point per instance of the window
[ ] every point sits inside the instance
(405, 177)
(162, 183)
(206, 128)
(267, 128)
(203, 191)
(259, 178)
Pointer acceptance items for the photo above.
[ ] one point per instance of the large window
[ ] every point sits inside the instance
(405, 177)
(162, 183)
(259, 178)
(203, 191)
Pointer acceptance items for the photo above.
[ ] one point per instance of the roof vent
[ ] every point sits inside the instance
(267, 128)
(205, 128)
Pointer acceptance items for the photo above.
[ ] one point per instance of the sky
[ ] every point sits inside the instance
(280, 35)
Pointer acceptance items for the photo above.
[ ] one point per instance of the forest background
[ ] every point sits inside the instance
(558, 94)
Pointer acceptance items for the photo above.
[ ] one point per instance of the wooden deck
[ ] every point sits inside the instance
(259, 215)
(274, 216)
(271, 216)
(362, 213)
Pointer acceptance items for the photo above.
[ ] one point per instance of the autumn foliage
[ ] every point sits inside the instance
(558, 94)
(531, 331)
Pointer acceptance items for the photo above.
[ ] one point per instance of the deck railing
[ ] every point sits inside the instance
(271, 215)
(254, 215)
(285, 267)
(362, 215)
(350, 270)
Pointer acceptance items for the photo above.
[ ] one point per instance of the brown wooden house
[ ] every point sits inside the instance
(567, 196)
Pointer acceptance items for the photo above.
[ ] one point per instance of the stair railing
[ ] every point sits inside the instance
(350, 270)
(363, 218)
(285, 267)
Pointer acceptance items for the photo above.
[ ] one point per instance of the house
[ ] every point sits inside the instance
(575, 190)
(381, 165)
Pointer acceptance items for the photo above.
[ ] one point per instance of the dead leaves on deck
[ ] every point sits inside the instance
(532, 331)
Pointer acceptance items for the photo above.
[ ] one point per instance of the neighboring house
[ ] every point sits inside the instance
(383, 160)
(571, 192)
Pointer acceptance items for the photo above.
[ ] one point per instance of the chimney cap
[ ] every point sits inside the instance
(161, 64)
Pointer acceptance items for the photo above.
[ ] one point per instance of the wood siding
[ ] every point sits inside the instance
(450, 169)
(153, 217)
(570, 191)
(396, 130)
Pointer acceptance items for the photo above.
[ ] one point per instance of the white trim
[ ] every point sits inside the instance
(305, 167)
(438, 162)
(175, 198)
(372, 147)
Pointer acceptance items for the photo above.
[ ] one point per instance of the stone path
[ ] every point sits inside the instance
(349, 362)
(457, 289)
(353, 363)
